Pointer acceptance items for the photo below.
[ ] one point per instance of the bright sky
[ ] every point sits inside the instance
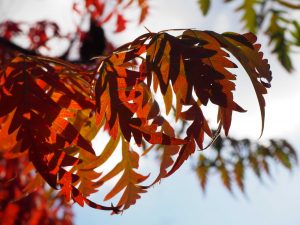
(178, 200)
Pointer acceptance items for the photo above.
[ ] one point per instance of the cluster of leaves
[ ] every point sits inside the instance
(275, 18)
(102, 11)
(40, 205)
(40, 34)
(56, 108)
(70, 103)
(37, 35)
(231, 157)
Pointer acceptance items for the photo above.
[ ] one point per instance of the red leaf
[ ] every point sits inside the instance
(121, 23)
(185, 151)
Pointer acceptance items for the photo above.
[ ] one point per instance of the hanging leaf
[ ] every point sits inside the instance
(239, 174)
(129, 180)
(278, 38)
(204, 6)
(225, 177)
(121, 23)
(202, 171)
(249, 14)
(144, 7)
(258, 69)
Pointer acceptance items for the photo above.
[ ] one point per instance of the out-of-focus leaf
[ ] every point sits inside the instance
(202, 171)
(225, 176)
(296, 33)
(249, 14)
(239, 174)
(288, 4)
(144, 7)
(232, 158)
(121, 23)
(277, 34)
(204, 6)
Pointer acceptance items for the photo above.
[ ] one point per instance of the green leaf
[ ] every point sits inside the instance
(289, 4)
(204, 6)
(249, 14)
(296, 33)
(202, 171)
(239, 171)
(277, 35)
(225, 176)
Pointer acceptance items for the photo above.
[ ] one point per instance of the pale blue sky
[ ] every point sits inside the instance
(178, 200)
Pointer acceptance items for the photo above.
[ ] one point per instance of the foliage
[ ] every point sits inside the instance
(43, 97)
(40, 205)
(51, 109)
(230, 158)
(275, 18)
(102, 13)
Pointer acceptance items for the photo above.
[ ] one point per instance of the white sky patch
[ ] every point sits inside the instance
(34, 10)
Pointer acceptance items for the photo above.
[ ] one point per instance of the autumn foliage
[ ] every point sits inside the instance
(276, 19)
(43, 98)
(51, 110)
